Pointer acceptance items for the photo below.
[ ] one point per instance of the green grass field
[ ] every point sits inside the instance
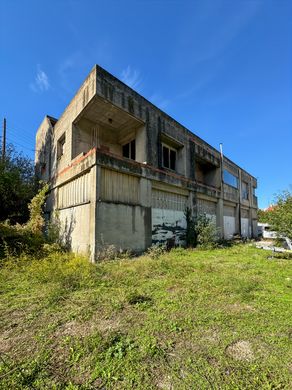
(218, 319)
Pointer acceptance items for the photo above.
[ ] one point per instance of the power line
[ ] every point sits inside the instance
(25, 147)
(21, 139)
(19, 133)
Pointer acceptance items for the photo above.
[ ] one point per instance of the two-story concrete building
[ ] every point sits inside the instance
(123, 172)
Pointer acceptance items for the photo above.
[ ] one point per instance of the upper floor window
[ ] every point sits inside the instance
(244, 190)
(61, 146)
(129, 150)
(168, 157)
(230, 179)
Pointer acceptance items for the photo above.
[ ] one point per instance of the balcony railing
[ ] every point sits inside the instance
(230, 193)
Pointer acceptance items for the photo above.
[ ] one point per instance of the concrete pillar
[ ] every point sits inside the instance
(238, 219)
(145, 202)
(94, 192)
(219, 217)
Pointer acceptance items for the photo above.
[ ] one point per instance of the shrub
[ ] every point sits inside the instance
(27, 238)
(201, 231)
(206, 232)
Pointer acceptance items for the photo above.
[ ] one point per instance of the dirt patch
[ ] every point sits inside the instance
(239, 307)
(83, 329)
(212, 336)
(240, 350)
(164, 384)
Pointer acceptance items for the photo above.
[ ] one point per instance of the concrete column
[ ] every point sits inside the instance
(238, 219)
(239, 201)
(145, 202)
(95, 195)
(219, 217)
(92, 221)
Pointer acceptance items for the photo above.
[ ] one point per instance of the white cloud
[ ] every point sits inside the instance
(41, 82)
(159, 101)
(131, 77)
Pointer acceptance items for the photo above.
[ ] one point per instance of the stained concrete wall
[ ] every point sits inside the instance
(75, 231)
(125, 226)
(43, 156)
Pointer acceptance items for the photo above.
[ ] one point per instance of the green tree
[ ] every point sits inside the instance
(264, 216)
(17, 186)
(281, 215)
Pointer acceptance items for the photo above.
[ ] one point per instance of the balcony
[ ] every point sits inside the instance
(230, 193)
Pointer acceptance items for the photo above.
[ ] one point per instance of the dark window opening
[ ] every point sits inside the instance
(60, 146)
(43, 168)
(168, 158)
(129, 150)
(244, 191)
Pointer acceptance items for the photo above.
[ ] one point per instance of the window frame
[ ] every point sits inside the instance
(226, 171)
(132, 150)
(244, 192)
(170, 149)
(60, 146)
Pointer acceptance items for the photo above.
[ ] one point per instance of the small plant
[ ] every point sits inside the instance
(201, 231)
(155, 251)
(206, 232)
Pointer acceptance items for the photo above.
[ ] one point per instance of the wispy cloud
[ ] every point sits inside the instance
(159, 101)
(131, 77)
(41, 82)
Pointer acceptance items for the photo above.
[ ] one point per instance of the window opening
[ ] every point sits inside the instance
(168, 157)
(129, 150)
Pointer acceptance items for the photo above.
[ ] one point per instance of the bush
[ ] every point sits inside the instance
(206, 232)
(201, 231)
(27, 238)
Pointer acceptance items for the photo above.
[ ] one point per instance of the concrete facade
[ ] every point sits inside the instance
(123, 172)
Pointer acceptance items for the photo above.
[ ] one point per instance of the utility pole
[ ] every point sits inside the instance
(4, 140)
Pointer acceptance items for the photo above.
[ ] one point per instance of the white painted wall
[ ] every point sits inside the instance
(229, 227)
(245, 229)
(75, 222)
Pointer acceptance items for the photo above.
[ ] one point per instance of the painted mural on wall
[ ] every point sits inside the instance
(168, 225)
(168, 217)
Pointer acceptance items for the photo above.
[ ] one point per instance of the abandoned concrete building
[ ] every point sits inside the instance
(123, 172)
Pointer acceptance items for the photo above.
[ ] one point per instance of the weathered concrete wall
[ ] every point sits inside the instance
(75, 222)
(64, 124)
(124, 226)
(43, 157)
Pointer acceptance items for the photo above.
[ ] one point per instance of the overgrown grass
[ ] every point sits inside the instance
(218, 319)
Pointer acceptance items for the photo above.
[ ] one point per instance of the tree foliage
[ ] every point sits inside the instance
(280, 216)
(264, 216)
(28, 237)
(17, 186)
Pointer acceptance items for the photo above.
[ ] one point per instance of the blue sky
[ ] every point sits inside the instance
(221, 68)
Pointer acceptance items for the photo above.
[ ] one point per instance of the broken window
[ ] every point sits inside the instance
(60, 146)
(129, 150)
(168, 157)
